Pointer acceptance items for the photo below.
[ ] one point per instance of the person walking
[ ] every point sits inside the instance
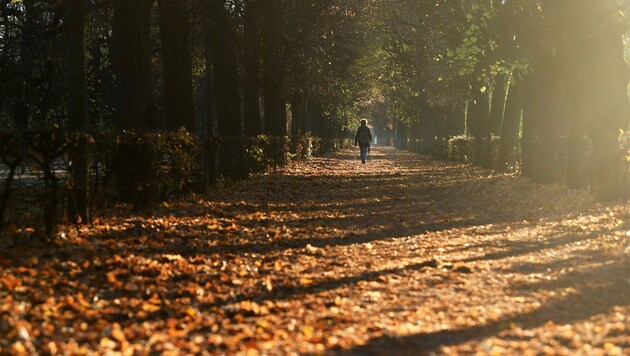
(363, 138)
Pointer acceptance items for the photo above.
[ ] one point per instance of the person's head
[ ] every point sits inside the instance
(363, 122)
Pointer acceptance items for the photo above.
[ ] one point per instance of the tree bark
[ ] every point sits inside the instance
(608, 81)
(478, 120)
(497, 107)
(210, 99)
(442, 135)
(455, 122)
(177, 68)
(133, 65)
(76, 69)
(428, 127)
(28, 48)
(297, 114)
(275, 115)
(510, 129)
(224, 66)
(541, 127)
(251, 63)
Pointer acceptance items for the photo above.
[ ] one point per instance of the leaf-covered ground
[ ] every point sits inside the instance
(400, 256)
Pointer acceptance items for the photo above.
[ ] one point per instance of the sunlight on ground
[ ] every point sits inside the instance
(403, 254)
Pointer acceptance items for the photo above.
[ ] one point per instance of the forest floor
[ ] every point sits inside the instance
(403, 255)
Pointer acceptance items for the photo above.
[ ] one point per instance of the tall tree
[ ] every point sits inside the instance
(607, 75)
(132, 62)
(251, 64)
(76, 69)
(225, 71)
(479, 123)
(510, 129)
(274, 79)
(23, 109)
(497, 106)
(178, 88)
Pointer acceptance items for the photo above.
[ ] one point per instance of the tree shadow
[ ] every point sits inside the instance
(589, 300)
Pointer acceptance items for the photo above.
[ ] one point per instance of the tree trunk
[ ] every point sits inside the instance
(478, 120)
(210, 99)
(76, 69)
(428, 127)
(541, 122)
(456, 122)
(133, 65)
(609, 76)
(224, 66)
(315, 116)
(441, 150)
(510, 129)
(28, 48)
(578, 145)
(251, 63)
(297, 114)
(136, 107)
(402, 137)
(177, 68)
(273, 70)
(498, 105)
(304, 123)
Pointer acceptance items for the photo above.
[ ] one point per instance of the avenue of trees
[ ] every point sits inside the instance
(225, 71)
(534, 86)
(214, 67)
(538, 86)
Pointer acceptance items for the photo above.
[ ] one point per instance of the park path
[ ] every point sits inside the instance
(403, 255)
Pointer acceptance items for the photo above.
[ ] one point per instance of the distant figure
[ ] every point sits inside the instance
(363, 138)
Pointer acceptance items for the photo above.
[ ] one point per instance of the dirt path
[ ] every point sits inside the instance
(400, 256)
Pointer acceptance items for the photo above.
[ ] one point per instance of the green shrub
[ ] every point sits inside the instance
(268, 153)
(153, 166)
(326, 146)
(301, 147)
(125, 166)
(461, 149)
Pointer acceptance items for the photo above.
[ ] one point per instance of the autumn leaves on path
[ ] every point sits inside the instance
(403, 254)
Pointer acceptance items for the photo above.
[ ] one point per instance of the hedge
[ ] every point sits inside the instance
(128, 167)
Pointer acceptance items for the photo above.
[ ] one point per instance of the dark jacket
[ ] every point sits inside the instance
(363, 136)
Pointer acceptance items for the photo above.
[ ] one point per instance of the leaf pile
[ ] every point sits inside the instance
(330, 256)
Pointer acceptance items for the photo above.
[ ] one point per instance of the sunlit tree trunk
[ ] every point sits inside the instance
(478, 121)
(510, 129)
(178, 88)
(498, 105)
(608, 82)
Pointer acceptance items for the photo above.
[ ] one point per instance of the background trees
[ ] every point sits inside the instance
(544, 84)
(537, 86)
